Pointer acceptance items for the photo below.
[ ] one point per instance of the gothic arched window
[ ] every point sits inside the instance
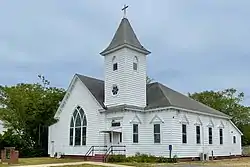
(78, 128)
(115, 65)
(135, 63)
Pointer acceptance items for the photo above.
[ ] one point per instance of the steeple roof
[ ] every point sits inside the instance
(125, 37)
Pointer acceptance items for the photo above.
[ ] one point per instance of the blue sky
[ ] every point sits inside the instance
(196, 45)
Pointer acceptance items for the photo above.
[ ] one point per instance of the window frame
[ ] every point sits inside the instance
(115, 90)
(78, 130)
(115, 123)
(221, 136)
(120, 135)
(234, 139)
(157, 133)
(210, 136)
(198, 135)
(184, 133)
(135, 63)
(110, 137)
(135, 133)
(114, 64)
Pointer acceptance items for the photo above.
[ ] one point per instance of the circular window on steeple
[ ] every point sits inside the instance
(115, 90)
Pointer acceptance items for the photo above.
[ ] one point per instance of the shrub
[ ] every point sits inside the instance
(173, 160)
(116, 158)
(162, 160)
(141, 158)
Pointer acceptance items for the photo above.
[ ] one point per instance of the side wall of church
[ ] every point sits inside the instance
(171, 134)
(59, 132)
(131, 83)
(191, 149)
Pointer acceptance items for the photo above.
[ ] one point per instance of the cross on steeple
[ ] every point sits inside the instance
(125, 10)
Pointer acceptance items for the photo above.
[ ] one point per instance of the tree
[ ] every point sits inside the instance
(28, 108)
(228, 101)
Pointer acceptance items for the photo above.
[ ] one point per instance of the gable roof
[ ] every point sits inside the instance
(161, 96)
(125, 35)
(158, 96)
(95, 86)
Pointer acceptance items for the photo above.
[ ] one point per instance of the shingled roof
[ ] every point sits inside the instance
(124, 35)
(158, 96)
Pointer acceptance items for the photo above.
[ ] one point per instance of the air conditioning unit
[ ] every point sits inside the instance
(59, 155)
(204, 157)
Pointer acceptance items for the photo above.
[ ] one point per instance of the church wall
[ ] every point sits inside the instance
(114, 77)
(171, 134)
(131, 84)
(192, 149)
(146, 134)
(59, 132)
(135, 80)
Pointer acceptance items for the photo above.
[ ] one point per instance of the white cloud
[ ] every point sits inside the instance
(203, 44)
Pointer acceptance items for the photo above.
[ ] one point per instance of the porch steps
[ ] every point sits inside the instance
(98, 158)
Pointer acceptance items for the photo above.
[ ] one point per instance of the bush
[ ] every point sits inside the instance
(117, 158)
(142, 158)
(173, 160)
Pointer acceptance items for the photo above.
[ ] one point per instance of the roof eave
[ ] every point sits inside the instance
(108, 51)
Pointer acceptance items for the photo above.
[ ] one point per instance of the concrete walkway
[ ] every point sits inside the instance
(75, 163)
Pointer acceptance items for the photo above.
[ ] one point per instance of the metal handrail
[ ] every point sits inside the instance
(110, 150)
(92, 149)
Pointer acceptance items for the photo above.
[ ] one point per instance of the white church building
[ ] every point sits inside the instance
(122, 114)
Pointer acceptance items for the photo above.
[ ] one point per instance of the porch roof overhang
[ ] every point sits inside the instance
(116, 130)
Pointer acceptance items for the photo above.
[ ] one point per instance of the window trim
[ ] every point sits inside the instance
(210, 135)
(198, 135)
(134, 133)
(135, 62)
(114, 86)
(157, 133)
(120, 136)
(184, 134)
(234, 140)
(110, 137)
(114, 64)
(78, 113)
(115, 123)
(221, 136)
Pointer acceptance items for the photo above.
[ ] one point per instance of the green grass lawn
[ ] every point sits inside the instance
(236, 162)
(43, 160)
(84, 165)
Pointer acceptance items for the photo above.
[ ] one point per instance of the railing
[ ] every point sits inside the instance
(92, 150)
(112, 149)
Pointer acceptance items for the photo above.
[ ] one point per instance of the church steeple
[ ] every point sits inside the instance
(125, 68)
(125, 37)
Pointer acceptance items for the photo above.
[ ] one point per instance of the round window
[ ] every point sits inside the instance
(115, 90)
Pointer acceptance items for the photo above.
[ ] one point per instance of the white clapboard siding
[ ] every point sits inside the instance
(59, 132)
(171, 134)
(131, 83)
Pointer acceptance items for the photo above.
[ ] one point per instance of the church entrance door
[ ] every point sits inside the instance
(117, 138)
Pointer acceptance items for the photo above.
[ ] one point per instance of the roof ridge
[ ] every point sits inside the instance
(160, 86)
(204, 105)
